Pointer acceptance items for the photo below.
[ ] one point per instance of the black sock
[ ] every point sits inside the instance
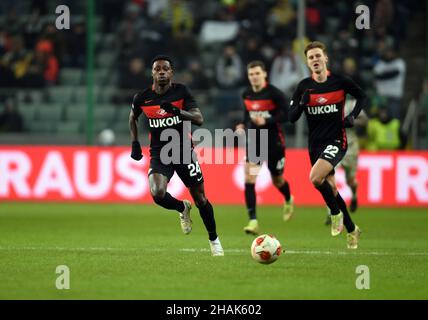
(250, 199)
(347, 221)
(327, 194)
(169, 202)
(207, 214)
(285, 190)
(354, 192)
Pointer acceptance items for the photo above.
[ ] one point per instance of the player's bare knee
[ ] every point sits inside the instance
(200, 201)
(158, 194)
(316, 180)
(250, 179)
(278, 182)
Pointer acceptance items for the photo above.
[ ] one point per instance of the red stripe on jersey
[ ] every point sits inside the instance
(317, 99)
(259, 105)
(157, 112)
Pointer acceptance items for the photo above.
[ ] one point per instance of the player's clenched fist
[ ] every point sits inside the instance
(170, 108)
(349, 121)
(136, 153)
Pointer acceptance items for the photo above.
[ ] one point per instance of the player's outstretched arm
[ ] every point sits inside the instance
(297, 104)
(354, 90)
(194, 115)
(136, 153)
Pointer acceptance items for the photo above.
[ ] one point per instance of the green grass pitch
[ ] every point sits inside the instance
(139, 252)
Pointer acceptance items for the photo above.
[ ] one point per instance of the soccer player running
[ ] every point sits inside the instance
(322, 97)
(169, 105)
(265, 108)
(349, 162)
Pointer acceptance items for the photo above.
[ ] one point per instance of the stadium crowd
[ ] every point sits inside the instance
(212, 44)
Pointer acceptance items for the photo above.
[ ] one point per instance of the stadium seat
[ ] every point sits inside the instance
(76, 112)
(28, 115)
(104, 112)
(71, 76)
(79, 94)
(41, 127)
(60, 94)
(69, 127)
(50, 113)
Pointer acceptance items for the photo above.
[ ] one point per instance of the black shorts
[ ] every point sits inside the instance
(275, 160)
(332, 152)
(189, 173)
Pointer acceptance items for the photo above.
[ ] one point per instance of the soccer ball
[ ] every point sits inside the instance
(107, 137)
(265, 249)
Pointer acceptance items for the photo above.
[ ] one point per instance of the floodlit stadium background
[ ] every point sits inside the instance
(71, 197)
(61, 88)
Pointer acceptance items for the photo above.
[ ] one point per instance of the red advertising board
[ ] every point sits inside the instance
(50, 173)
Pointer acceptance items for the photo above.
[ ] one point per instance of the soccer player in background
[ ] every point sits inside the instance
(265, 108)
(322, 97)
(349, 162)
(169, 105)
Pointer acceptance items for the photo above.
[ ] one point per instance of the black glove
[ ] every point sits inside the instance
(304, 100)
(349, 121)
(136, 151)
(170, 108)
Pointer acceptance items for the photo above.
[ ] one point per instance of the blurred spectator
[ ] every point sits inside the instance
(249, 13)
(389, 73)
(345, 45)
(128, 34)
(384, 132)
(131, 80)
(15, 63)
(181, 20)
(58, 40)
(349, 69)
(10, 118)
(313, 15)
(33, 28)
(44, 68)
(281, 20)
(194, 77)
(77, 45)
(156, 7)
(180, 17)
(287, 70)
(383, 17)
(109, 11)
(229, 69)
(252, 51)
(12, 23)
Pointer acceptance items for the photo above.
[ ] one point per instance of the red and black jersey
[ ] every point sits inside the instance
(325, 110)
(269, 103)
(148, 102)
